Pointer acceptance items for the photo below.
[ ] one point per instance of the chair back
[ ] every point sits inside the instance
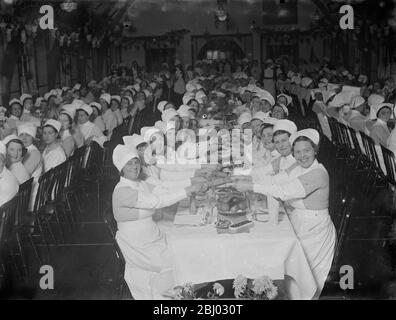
(44, 190)
(342, 228)
(76, 164)
(7, 219)
(346, 139)
(95, 158)
(371, 153)
(356, 145)
(389, 160)
(24, 192)
(334, 129)
(59, 180)
(110, 222)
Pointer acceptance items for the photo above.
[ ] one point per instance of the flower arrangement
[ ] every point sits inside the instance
(187, 292)
(261, 288)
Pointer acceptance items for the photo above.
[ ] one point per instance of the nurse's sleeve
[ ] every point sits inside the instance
(31, 161)
(131, 198)
(170, 175)
(379, 135)
(295, 188)
(99, 137)
(262, 173)
(166, 184)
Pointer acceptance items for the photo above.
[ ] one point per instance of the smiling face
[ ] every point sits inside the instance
(131, 169)
(185, 123)
(16, 110)
(384, 114)
(304, 153)
(65, 121)
(345, 112)
(14, 151)
(114, 105)
(282, 144)
(141, 148)
(265, 106)
(193, 105)
(255, 124)
(282, 100)
(82, 117)
(28, 104)
(278, 112)
(124, 103)
(27, 139)
(255, 102)
(266, 138)
(104, 104)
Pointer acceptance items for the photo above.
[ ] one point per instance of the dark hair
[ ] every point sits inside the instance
(279, 132)
(265, 126)
(20, 142)
(303, 138)
(191, 100)
(69, 118)
(48, 125)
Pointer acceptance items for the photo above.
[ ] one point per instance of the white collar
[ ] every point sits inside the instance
(135, 183)
(381, 122)
(86, 124)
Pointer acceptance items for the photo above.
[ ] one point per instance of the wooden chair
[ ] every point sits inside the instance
(23, 222)
(375, 174)
(101, 173)
(8, 212)
(121, 288)
(55, 199)
(72, 186)
(42, 198)
(341, 208)
(390, 165)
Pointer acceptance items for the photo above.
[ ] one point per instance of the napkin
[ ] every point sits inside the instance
(187, 219)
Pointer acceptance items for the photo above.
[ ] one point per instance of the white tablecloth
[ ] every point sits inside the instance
(202, 255)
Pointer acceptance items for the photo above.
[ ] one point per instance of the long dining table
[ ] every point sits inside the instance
(200, 254)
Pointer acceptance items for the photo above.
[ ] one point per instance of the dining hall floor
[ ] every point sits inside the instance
(85, 267)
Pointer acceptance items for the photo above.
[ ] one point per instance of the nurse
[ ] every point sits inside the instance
(115, 104)
(282, 131)
(66, 117)
(269, 152)
(53, 154)
(14, 153)
(108, 116)
(148, 266)
(380, 131)
(8, 183)
(32, 160)
(96, 116)
(89, 130)
(307, 191)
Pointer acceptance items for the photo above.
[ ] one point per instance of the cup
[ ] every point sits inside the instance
(273, 210)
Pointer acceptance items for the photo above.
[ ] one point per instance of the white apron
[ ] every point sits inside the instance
(35, 175)
(147, 269)
(316, 232)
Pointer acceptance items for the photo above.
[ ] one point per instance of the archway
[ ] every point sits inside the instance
(219, 49)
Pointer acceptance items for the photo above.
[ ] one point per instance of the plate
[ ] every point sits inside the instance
(230, 213)
(262, 217)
